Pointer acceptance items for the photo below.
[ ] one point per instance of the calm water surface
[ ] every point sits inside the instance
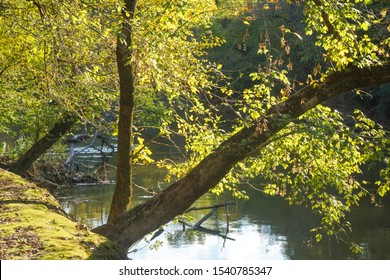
(261, 228)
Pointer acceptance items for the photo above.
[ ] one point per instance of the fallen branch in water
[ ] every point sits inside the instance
(206, 230)
(198, 225)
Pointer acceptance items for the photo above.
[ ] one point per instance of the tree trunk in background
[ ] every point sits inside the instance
(123, 190)
(134, 224)
(39, 148)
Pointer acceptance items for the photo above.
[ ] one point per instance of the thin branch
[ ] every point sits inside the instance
(327, 22)
(209, 207)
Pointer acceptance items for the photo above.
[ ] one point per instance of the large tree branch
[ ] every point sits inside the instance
(135, 223)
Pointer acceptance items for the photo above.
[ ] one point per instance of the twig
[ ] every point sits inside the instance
(227, 222)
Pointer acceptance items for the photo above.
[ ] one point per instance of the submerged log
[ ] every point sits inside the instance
(198, 226)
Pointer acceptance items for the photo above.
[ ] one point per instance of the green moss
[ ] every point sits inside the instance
(32, 226)
(4, 176)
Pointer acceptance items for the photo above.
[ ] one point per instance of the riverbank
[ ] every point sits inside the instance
(33, 226)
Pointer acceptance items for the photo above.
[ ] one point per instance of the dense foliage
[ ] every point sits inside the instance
(57, 59)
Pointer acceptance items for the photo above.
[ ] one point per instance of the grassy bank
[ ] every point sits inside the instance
(33, 226)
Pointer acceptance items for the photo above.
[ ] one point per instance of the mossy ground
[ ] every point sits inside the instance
(33, 226)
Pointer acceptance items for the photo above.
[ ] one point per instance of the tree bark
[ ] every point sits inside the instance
(123, 189)
(133, 224)
(39, 148)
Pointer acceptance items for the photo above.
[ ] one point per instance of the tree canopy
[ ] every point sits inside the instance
(56, 61)
(272, 132)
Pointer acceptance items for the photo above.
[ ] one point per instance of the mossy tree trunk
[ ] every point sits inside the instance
(135, 223)
(123, 189)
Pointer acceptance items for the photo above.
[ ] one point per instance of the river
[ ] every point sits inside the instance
(260, 228)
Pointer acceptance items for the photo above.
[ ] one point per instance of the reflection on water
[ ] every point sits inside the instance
(261, 228)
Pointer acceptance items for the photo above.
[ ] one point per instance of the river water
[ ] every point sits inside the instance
(260, 228)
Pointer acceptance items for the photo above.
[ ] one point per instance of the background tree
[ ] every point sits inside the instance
(56, 68)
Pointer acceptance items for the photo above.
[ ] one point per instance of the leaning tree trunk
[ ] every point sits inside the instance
(133, 224)
(39, 148)
(123, 189)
